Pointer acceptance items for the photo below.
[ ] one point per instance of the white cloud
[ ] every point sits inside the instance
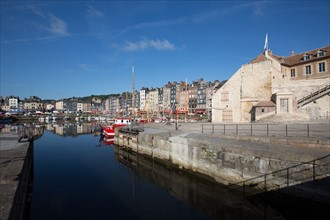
(91, 11)
(57, 26)
(147, 44)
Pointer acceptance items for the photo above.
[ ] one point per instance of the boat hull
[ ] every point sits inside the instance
(108, 131)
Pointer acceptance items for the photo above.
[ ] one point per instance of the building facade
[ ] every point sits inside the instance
(282, 80)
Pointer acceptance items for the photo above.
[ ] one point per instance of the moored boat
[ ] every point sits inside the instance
(109, 130)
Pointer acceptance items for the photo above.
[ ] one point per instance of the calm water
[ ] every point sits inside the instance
(77, 177)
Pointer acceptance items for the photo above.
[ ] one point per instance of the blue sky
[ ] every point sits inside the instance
(61, 49)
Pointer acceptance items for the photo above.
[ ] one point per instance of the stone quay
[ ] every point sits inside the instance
(16, 166)
(231, 159)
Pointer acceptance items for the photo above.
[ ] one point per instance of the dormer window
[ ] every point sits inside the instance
(307, 57)
(320, 53)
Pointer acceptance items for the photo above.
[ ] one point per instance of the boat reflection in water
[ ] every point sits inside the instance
(106, 140)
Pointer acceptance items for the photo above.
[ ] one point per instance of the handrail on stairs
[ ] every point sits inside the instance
(312, 94)
(299, 173)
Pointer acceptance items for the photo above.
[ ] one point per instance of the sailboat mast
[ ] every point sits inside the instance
(133, 92)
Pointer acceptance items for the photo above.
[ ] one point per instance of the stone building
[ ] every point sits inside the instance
(298, 85)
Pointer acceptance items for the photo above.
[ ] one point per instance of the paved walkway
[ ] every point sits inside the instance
(12, 157)
(319, 131)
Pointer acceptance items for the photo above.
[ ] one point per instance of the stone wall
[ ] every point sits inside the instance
(225, 160)
(251, 84)
(20, 207)
(258, 81)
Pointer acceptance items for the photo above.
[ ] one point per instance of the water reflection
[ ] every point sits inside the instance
(62, 129)
(89, 182)
(36, 130)
(202, 194)
(73, 129)
(29, 131)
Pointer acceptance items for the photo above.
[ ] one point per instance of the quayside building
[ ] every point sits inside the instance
(276, 88)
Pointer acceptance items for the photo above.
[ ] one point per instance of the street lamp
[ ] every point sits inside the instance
(176, 121)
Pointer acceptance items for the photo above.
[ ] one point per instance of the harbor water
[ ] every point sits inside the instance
(79, 175)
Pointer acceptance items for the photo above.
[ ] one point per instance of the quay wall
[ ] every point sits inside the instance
(16, 175)
(226, 160)
(20, 207)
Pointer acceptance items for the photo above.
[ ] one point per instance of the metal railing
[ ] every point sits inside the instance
(282, 130)
(325, 89)
(297, 174)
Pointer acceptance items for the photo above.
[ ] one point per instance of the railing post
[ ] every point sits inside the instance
(286, 130)
(313, 170)
(267, 130)
(212, 129)
(307, 130)
(202, 129)
(243, 189)
(251, 129)
(236, 129)
(265, 182)
(287, 177)
(224, 128)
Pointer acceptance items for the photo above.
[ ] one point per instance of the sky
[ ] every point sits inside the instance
(62, 49)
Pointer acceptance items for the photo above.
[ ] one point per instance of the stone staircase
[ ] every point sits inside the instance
(309, 180)
(285, 118)
(324, 90)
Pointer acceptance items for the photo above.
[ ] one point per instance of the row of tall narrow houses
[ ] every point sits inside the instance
(273, 87)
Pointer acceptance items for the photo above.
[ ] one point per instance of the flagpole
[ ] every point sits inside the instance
(266, 45)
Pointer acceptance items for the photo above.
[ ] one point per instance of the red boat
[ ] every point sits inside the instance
(109, 131)
(108, 140)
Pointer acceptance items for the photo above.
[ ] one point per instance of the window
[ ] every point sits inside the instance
(308, 70)
(225, 96)
(321, 67)
(293, 72)
(307, 57)
(320, 53)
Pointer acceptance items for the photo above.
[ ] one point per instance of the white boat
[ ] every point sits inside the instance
(48, 119)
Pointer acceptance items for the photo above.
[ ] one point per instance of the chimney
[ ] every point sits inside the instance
(292, 53)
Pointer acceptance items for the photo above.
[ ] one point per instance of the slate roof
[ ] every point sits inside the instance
(296, 59)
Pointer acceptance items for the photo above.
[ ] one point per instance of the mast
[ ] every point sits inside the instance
(186, 102)
(133, 92)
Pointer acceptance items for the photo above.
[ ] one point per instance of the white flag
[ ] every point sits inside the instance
(266, 42)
